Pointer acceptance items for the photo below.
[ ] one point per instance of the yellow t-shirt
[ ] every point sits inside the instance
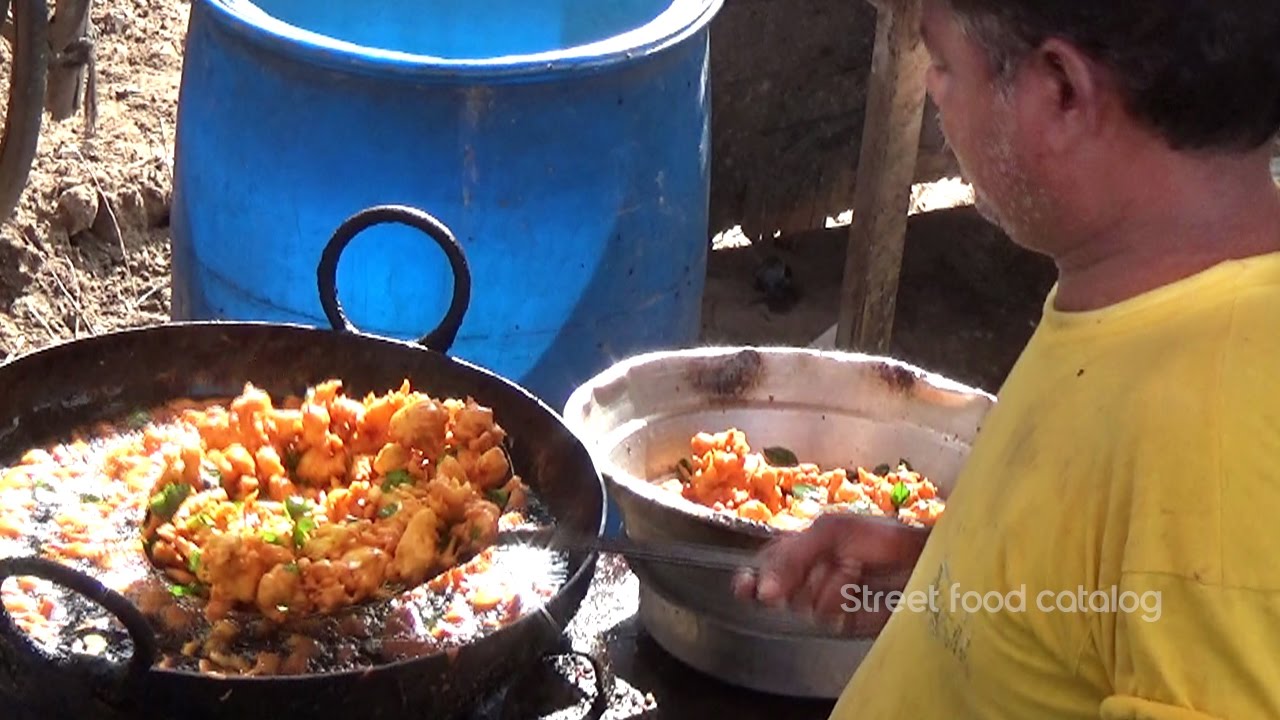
(1133, 459)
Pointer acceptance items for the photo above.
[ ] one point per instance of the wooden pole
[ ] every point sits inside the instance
(72, 71)
(886, 168)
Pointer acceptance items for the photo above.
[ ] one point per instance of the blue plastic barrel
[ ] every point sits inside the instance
(564, 142)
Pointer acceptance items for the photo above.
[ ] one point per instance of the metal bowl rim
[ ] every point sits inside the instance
(644, 489)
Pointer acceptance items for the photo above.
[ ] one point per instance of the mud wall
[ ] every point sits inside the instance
(789, 82)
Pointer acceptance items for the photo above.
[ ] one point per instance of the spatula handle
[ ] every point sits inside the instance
(672, 553)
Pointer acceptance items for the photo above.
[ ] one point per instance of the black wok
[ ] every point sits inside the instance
(45, 394)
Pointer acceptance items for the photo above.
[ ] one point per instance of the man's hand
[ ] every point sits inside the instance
(809, 573)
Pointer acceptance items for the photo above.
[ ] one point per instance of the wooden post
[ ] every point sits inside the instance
(886, 168)
(71, 65)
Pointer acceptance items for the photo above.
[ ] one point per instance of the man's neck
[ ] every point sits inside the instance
(1186, 218)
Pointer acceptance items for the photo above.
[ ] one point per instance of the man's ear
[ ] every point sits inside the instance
(1067, 92)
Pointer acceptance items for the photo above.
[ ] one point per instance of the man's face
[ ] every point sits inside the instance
(980, 122)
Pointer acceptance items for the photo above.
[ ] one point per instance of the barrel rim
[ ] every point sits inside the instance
(681, 20)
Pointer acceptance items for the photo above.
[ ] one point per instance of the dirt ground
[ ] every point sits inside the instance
(88, 249)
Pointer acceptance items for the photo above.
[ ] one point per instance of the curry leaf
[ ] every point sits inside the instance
(499, 497)
(780, 457)
(899, 494)
(431, 616)
(395, 479)
(388, 510)
(805, 491)
(297, 507)
(684, 469)
(193, 562)
(138, 420)
(166, 502)
(302, 530)
(299, 510)
(192, 590)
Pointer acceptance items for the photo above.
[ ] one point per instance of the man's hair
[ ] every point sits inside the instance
(1204, 73)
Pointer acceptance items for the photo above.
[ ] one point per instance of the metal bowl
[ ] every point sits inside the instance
(831, 408)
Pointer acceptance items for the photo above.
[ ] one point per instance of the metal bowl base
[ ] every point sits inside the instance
(792, 666)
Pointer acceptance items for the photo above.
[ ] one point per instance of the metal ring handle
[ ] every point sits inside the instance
(36, 659)
(440, 339)
(604, 688)
(604, 682)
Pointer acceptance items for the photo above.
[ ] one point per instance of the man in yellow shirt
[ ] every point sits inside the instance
(1111, 549)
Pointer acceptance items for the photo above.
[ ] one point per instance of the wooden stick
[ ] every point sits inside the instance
(72, 57)
(886, 169)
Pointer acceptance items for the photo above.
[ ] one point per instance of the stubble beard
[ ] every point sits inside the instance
(1008, 198)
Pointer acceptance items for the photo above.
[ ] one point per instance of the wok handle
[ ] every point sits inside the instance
(440, 339)
(604, 688)
(603, 679)
(99, 675)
